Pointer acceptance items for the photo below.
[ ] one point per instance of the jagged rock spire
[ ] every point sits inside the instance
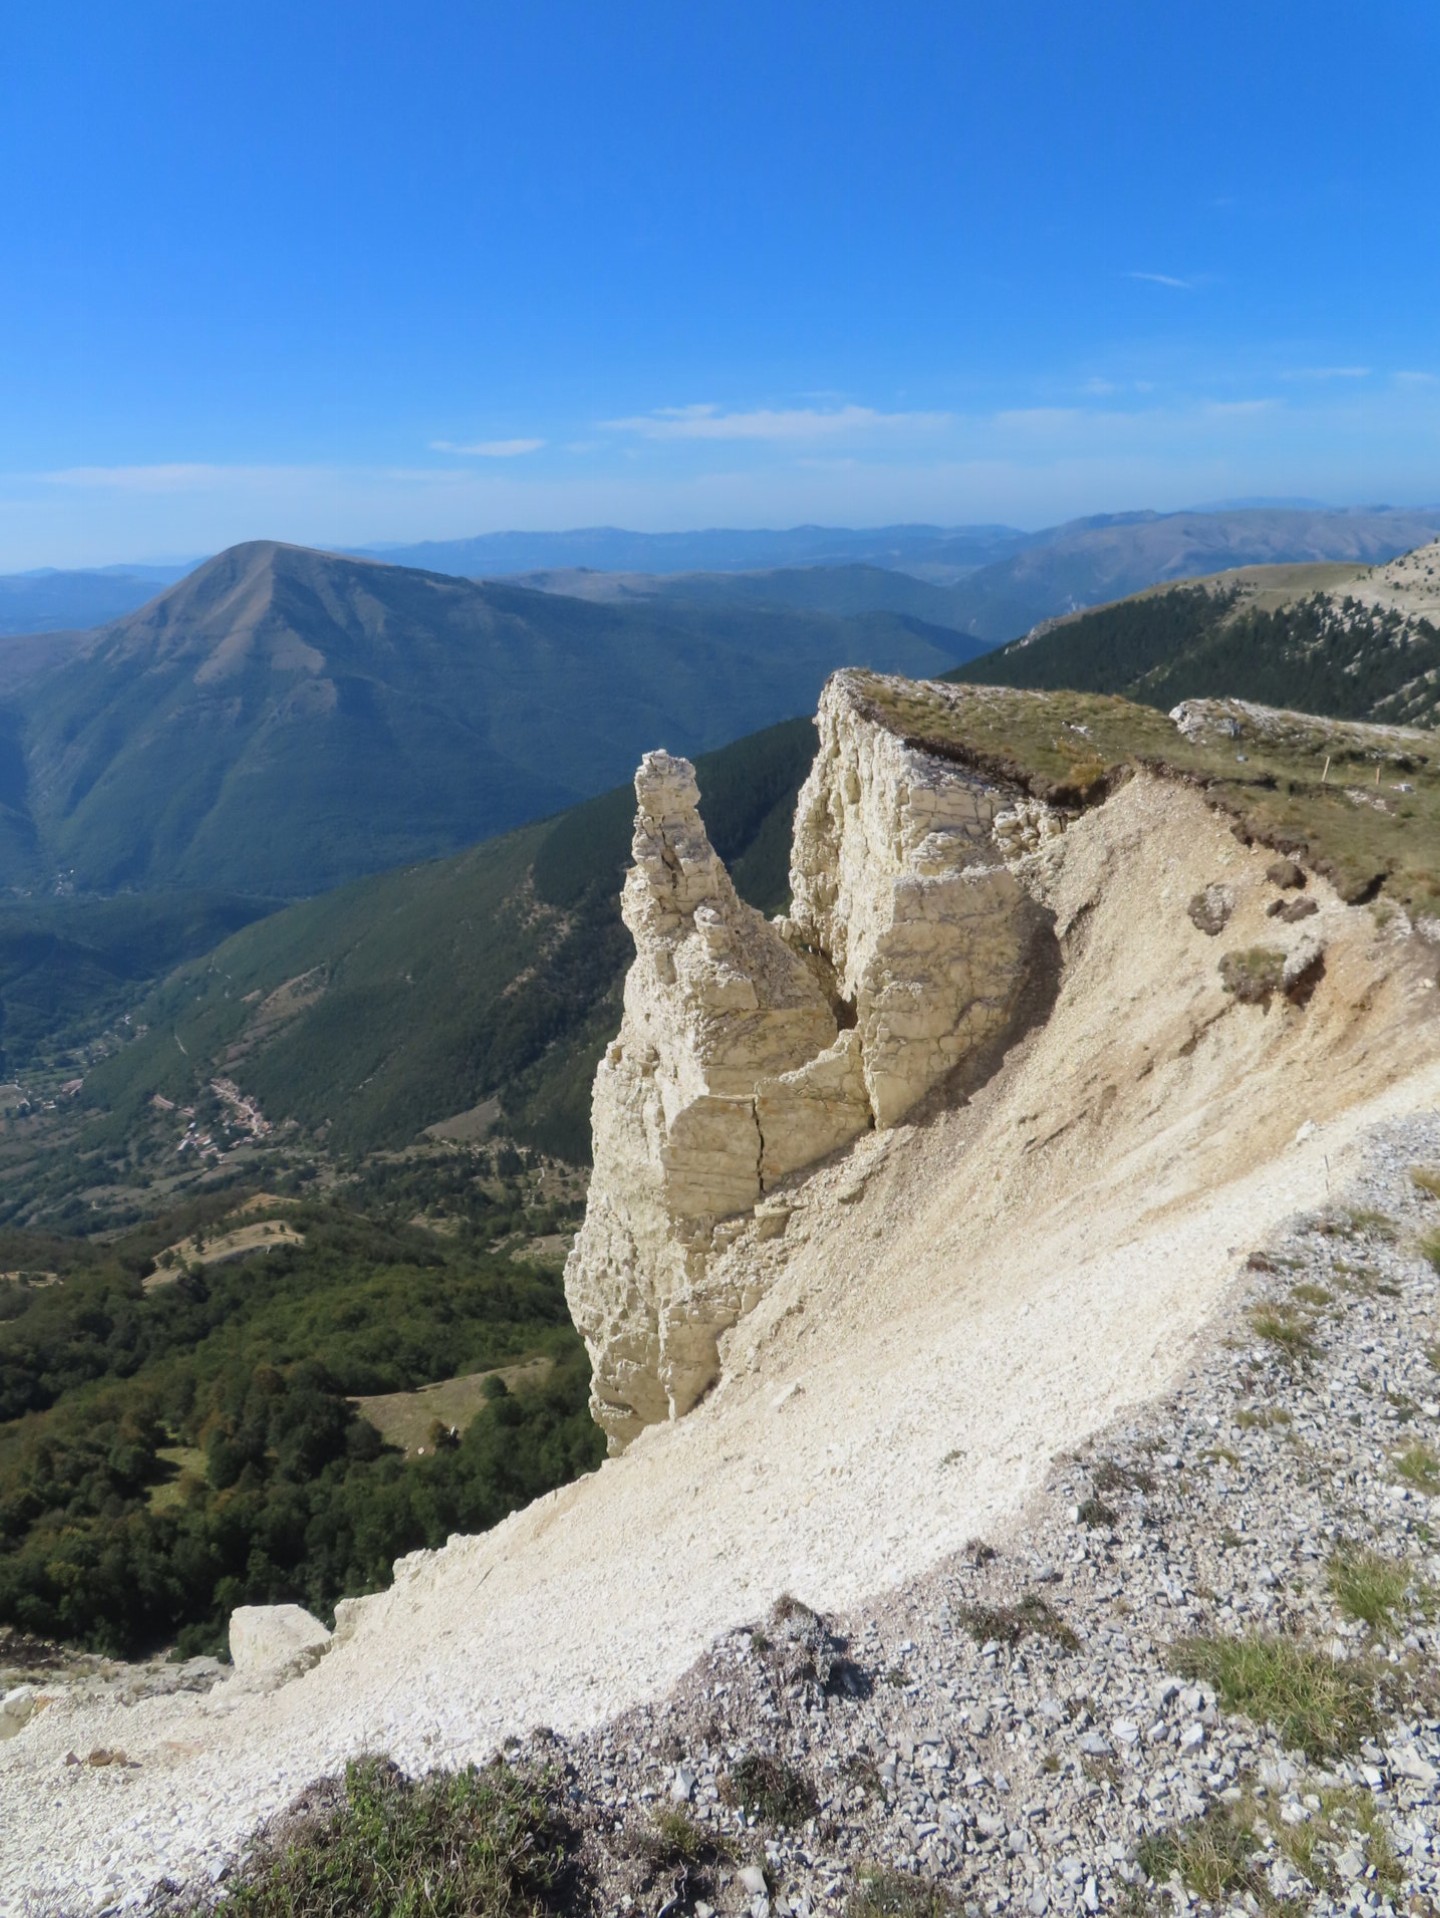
(750, 1051)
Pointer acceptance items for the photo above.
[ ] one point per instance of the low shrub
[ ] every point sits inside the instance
(1109, 1475)
(1254, 975)
(770, 1790)
(471, 1844)
(1008, 1624)
(1096, 1513)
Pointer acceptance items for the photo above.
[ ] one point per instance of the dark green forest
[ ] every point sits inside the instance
(170, 1453)
(70, 966)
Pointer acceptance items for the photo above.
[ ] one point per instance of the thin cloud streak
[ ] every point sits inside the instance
(1164, 279)
(1328, 373)
(775, 424)
(489, 449)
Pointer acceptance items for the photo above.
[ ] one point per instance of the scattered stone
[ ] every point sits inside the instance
(1288, 911)
(18, 1704)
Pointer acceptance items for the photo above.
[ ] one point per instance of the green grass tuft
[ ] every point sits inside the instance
(1213, 1856)
(1317, 1704)
(1010, 1623)
(1308, 1294)
(770, 1790)
(1370, 1588)
(1290, 1332)
(1419, 1465)
(880, 1893)
(673, 1838)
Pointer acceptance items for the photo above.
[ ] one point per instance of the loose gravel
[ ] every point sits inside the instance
(1026, 1777)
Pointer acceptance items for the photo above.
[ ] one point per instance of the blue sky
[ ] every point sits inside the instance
(349, 273)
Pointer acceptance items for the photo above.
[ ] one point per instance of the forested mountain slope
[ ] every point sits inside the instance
(374, 1011)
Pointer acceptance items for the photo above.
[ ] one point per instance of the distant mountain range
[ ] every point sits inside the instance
(991, 582)
(722, 550)
(51, 600)
(1095, 561)
(844, 590)
(283, 720)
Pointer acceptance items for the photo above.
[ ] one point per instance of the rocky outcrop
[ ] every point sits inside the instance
(271, 1644)
(729, 1070)
(750, 1051)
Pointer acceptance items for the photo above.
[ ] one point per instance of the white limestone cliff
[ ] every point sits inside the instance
(899, 881)
(725, 1029)
(750, 1051)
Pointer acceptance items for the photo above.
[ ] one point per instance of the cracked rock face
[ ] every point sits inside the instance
(899, 880)
(749, 1051)
(728, 1062)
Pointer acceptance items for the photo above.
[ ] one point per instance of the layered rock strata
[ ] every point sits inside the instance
(750, 1051)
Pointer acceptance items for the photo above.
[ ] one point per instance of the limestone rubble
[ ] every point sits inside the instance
(749, 1051)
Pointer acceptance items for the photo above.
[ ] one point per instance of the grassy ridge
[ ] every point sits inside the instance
(1359, 803)
(1319, 654)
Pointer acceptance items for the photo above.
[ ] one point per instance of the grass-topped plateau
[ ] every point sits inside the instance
(1358, 802)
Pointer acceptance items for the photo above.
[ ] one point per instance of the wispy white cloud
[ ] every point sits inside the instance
(488, 449)
(1327, 373)
(176, 478)
(1164, 279)
(1238, 409)
(798, 423)
(1412, 378)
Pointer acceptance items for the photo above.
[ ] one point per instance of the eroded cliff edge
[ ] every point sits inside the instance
(931, 842)
(751, 1050)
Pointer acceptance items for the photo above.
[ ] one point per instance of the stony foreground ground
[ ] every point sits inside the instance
(1023, 1730)
(1030, 1775)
